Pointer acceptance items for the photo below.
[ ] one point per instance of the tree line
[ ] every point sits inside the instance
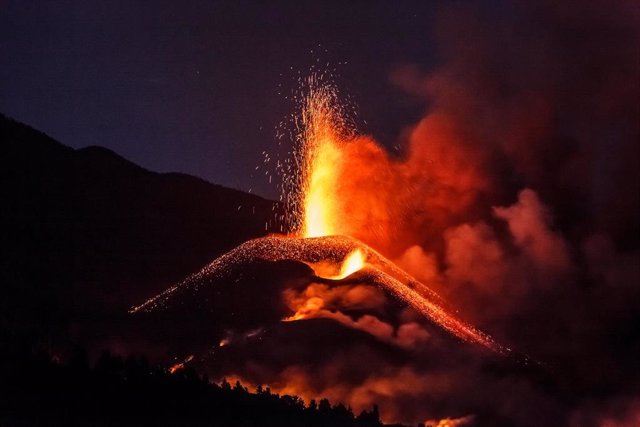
(39, 390)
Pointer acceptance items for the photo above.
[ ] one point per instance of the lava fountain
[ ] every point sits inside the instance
(321, 228)
(323, 130)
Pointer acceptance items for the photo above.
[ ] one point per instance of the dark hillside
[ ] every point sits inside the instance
(86, 233)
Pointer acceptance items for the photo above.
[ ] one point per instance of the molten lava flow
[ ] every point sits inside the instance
(180, 365)
(175, 368)
(352, 263)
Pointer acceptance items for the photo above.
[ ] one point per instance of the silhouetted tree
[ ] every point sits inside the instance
(324, 407)
(132, 392)
(225, 384)
(369, 418)
(239, 388)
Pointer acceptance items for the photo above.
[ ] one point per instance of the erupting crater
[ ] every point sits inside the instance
(320, 221)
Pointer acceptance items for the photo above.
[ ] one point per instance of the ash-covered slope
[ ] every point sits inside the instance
(199, 290)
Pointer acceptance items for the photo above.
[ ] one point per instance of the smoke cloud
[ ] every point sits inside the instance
(516, 198)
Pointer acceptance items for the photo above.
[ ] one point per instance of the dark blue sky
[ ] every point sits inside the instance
(199, 86)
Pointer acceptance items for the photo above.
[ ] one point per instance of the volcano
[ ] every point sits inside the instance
(317, 241)
(375, 270)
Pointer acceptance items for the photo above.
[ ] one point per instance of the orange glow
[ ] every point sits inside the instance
(322, 155)
(320, 207)
(450, 422)
(175, 368)
(180, 365)
(352, 263)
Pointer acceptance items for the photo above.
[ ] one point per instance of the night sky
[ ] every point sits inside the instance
(200, 86)
(497, 161)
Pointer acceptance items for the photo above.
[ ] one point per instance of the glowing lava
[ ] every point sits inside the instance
(323, 134)
(352, 263)
(319, 206)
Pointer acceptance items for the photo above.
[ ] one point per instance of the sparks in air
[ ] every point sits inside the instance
(323, 131)
(319, 235)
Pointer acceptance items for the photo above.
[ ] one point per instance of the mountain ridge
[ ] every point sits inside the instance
(87, 232)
